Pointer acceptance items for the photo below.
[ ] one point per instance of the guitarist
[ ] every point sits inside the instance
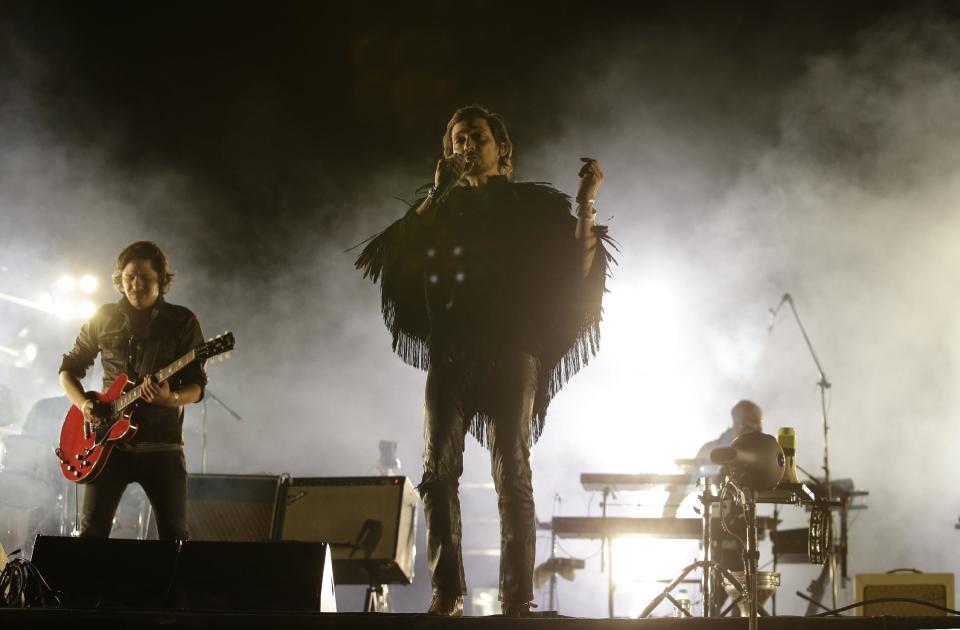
(135, 336)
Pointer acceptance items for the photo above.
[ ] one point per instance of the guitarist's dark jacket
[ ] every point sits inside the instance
(124, 338)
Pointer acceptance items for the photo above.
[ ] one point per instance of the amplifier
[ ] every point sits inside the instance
(936, 588)
(369, 522)
(230, 508)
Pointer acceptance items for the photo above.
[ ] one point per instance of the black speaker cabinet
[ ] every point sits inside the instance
(112, 572)
(265, 576)
(370, 522)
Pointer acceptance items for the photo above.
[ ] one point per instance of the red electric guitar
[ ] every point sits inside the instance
(84, 453)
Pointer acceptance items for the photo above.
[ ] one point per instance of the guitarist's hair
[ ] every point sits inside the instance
(144, 250)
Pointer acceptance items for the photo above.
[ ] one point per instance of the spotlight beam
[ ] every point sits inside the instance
(25, 302)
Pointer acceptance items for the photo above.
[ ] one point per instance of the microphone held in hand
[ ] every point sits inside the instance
(451, 165)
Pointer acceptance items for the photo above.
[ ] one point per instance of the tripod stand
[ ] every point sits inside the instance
(712, 571)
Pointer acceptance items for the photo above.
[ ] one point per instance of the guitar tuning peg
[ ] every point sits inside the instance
(228, 355)
(220, 358)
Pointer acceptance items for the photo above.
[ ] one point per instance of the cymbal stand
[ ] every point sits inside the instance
(751, 554)
(712, 572)
(709, 577)
(707, 567)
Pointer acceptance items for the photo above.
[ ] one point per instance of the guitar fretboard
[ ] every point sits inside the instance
(160, 376)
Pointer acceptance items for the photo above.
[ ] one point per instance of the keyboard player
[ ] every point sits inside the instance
(746, 417)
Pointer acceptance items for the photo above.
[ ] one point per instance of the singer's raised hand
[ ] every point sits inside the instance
(590, 179)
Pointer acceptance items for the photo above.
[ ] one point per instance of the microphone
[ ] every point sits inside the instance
(468, 164)
(773, 311)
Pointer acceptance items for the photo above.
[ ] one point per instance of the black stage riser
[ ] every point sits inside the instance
(116, 620)
(261, 576)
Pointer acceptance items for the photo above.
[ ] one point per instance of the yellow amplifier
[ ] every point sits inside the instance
(936, 588)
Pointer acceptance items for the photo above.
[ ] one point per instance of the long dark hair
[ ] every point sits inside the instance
(497, 125)
(144, 250)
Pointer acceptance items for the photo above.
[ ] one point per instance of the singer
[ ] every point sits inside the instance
(494, 287)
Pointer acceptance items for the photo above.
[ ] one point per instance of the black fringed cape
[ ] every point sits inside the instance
(497, 267)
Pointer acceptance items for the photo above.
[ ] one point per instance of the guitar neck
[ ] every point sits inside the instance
(159, 376)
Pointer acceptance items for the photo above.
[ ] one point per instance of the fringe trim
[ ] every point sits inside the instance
(584, 348)
(410, 347)
(411, 350)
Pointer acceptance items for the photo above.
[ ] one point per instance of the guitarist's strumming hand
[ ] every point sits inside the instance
(93, 416)
(158, 393)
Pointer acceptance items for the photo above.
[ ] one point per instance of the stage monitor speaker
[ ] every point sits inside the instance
(230, 508)
(264, 576)
(936, 588)
(370, 522)
(92, 573)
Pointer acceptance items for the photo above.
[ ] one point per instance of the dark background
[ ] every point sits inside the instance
(282, 114)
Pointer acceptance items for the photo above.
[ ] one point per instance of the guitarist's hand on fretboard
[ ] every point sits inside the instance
(157, 394)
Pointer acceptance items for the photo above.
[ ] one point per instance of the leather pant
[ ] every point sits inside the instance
(504, 389)
(163, 476)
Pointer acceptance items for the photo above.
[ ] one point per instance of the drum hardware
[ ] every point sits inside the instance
(767, 584)
(754, 464)
(25, 479)
(710, 568)
(789, 545)
(820, 535)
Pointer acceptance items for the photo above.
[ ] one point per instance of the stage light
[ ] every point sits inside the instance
(66, 284)
(645, 315)
(647, 559)
(88, 284)
(23, 333)
(86, 309)
(30, 352)
(641, 563)
(63, 309)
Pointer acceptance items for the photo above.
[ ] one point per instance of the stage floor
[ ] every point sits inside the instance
(17, 619)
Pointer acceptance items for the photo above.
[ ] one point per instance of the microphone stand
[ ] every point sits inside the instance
(207, 394)
(823, 384)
